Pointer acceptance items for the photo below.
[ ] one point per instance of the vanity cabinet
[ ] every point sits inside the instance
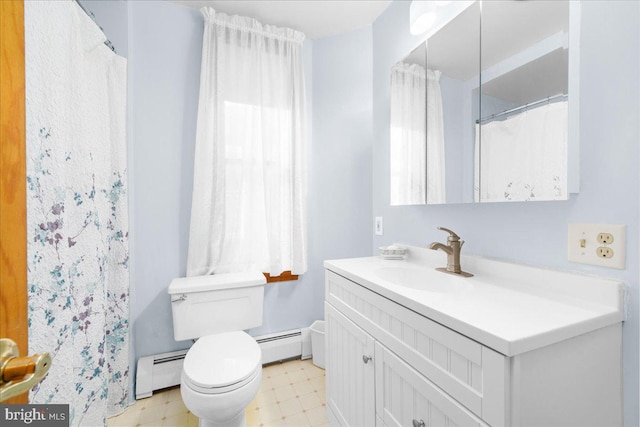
(404, 397)
(350, 389)
(389, 366)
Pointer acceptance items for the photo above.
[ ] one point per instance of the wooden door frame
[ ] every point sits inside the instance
(13, 197)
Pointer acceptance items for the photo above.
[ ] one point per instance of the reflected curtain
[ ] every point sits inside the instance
(78, 290)
(435, 140)
(248, 207)
(408, 154)
(417, 136)
(524, 157)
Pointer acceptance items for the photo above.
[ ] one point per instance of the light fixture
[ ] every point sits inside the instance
(434, 14)
(422, 15)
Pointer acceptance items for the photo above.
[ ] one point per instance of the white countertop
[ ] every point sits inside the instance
(508, 307)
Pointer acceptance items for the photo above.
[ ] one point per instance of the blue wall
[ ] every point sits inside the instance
(164, 43)
(340, 221)
(164, 53)
(348, 157)
(165, 49)
(536, 233)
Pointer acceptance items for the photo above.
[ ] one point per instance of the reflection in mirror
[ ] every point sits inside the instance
(453, 64)
(522, 137)
(408, 130)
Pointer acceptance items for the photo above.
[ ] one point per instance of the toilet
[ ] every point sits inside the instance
(223, 369)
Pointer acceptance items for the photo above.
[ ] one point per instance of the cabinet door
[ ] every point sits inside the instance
(406, 398)
(349, 371)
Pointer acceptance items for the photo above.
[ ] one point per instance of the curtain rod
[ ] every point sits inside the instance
(90, 14)
(522, 107)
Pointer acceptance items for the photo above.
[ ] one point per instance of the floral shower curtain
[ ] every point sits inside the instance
(77, 211)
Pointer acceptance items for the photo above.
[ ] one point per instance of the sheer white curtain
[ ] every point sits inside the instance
(523, 157)
(248, 208)
(435, 140)
(408, 135)
(417, 136)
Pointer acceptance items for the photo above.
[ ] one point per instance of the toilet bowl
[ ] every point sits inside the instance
(222, 370)
(220, 377)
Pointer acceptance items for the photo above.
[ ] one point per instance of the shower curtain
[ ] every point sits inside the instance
(524, 157)
(78, 278)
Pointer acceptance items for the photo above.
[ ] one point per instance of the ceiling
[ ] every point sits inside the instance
(315, 18)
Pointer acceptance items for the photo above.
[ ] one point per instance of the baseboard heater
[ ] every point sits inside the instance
(163, 370)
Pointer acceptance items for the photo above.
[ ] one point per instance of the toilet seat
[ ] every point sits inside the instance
(220, 390)
(221, 363)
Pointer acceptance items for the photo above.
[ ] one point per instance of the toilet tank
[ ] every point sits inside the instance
(206, 305)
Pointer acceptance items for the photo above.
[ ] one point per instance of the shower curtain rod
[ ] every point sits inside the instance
(107, 42)
(522, 107)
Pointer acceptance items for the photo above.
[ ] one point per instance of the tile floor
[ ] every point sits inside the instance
(292, 393)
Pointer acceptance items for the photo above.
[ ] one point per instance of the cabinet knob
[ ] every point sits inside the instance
(366, 359)
(417, 423)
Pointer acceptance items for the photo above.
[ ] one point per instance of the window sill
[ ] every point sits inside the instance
(286, 276)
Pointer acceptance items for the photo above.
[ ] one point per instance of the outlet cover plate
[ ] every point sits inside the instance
(589, 253)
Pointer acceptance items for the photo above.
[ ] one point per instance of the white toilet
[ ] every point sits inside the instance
(223, 369)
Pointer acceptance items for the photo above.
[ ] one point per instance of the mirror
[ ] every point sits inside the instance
(482, 115)
(434, 105)
(453, 55)
(522, 142)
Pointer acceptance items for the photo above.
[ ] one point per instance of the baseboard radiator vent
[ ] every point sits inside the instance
(163, 370)
(280, 346)
(158, 371)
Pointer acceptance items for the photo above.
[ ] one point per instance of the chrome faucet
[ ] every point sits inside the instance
(452, 249)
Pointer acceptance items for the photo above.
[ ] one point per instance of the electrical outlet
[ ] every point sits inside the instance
(597, 244)
(378, 226)
(605, 238)
(604, 252)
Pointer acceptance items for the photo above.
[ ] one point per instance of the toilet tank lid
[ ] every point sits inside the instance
(214, 282)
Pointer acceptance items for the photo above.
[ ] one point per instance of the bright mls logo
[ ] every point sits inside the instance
(34, 415)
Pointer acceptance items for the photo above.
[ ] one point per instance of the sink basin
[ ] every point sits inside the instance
(423, 279)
